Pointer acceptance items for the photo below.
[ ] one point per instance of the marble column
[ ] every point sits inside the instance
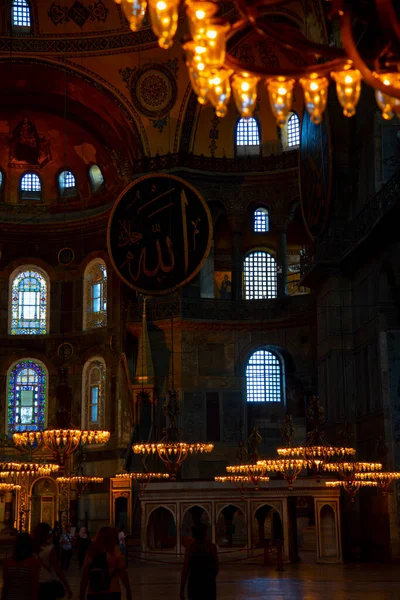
(236, 223)
(281, 262)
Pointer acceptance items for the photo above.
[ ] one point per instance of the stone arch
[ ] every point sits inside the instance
(328, 534)
(266, 524)
(161, 531)
(43, 502)
(231, 527)
(186, 524)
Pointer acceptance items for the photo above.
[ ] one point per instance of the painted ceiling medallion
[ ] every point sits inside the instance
(153, 90)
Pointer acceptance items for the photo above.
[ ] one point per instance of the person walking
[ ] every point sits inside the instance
(200, 567)
(104, 568)
(83, 543)
(66, 541)
(57, 531)
(52, 581)
(122, 541)
(21, 571)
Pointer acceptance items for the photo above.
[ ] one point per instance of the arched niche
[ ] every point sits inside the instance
(266, 526)
(328, 537)
(161, 530)
(121, 512)
(231, 528)
(43, 502)
(193, 516)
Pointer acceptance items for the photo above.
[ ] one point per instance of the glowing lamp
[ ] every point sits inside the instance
(348, 89)
(199, 15)
(244, 89)
(219, 92)
(280, 92)
(388, 104)
(134, 11)
(215, 44)
(164, 21)
(315, 95)
(197, 70)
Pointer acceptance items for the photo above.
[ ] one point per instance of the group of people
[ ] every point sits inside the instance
(65, 541)
(34, 572)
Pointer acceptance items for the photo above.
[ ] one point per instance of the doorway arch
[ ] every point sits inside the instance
(194, 515)
(161, 530)
(43, 502)
(231, 527)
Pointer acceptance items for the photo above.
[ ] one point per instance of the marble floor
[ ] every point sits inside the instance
(304, 581)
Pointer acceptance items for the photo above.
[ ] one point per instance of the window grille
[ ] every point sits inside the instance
(260, 277)
(264, 377)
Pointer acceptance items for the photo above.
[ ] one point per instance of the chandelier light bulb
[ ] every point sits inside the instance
(134, 11)
(315, 96)
(348, 89)
(219, 92)
(164, 21)
(280, 92)
(199, 15)
(389, 105)
(215, 44)
(244, 89)
(197, 70)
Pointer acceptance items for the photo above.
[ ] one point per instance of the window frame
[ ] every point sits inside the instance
(67, 192)
(95, 189)
(281, 363)
(240, 153)
(265, 210)
(43, 388)
(13, 276)
(286, 146)
(269, 255)
(21, 29)
(91, 318)
(30, 196)
(95, 362)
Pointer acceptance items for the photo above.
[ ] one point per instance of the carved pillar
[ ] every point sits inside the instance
(236, 223)
(281, 254)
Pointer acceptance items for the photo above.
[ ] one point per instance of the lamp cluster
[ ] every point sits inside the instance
(173, 453)
(18, 471)
(60, 441)
(215, 76)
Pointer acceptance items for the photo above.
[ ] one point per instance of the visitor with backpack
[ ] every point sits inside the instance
(104, 568)
(200, 567)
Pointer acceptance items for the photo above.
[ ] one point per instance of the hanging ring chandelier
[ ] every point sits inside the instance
(142, 479)
(215, 74)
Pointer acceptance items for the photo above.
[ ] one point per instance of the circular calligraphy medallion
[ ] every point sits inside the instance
(66, 256)
(159, 234)
(315, 175)
(65, 351)
(154, 90)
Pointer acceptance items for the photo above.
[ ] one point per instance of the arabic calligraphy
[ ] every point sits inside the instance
(159, 234)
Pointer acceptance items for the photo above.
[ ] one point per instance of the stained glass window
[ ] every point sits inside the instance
(96, 178)
(94, 374)
(260, 281)
(27, 391)
(21, 13)
(66, 181)
(247, 133)
(293, 131)
(264, 377)
(29, 304)
(261, 220)
(95, 295)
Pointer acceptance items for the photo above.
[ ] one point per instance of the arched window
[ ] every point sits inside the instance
(264, 377)
(259, 276)
(95, 295)
(29, 295)
(66, 181)
(247, 137)
(261, 220)
(27, 383)
(31, 187)
(96, 178)
(94, 391)
(293, 131)
(1, 181)
(21, 14)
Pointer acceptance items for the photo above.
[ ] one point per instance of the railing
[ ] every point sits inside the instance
(240, 164)
(336, 244)
(205, 309)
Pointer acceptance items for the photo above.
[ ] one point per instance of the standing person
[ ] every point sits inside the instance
(200, 567)
(21, 571)
(122, 541)
(83, 543)
(66, 540)
(104, 568)
(51, 577)
(57, 531)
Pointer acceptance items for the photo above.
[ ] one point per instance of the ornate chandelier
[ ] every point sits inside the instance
(170, 449)
(8, 487)
(381, 478)
(215, 74)
(80, 481)
(351, 487)
(350, 473)
(19, 471)
(64, 439)
(142, 479)
(316, 452)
